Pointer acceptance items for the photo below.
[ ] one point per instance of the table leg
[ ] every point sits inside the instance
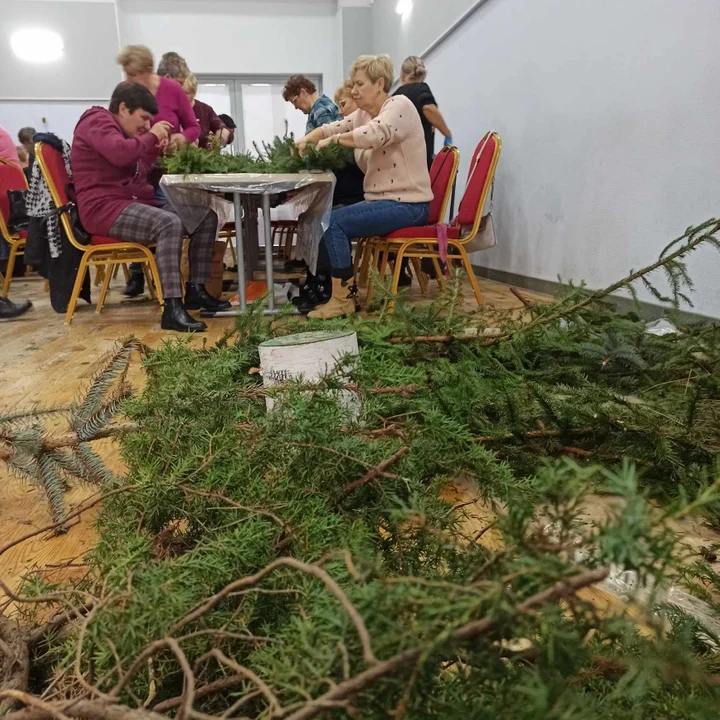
(240, 245)
(268, 252)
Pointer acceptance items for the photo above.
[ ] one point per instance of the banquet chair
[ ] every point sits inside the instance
(105, 252)
(11, 178)
(375, 251)
(422, 242)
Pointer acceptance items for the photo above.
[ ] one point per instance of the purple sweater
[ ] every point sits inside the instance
(174, 106)
(110, 170)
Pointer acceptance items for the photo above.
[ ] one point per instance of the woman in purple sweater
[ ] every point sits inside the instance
(173, 107)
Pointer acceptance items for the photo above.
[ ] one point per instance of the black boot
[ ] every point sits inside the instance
(10, 310)
(405, 276)
(175, 317)
(136, 283)
(318, 294)
(197, 298)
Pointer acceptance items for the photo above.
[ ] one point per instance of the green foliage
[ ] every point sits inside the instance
(223, 491)
(280, 157)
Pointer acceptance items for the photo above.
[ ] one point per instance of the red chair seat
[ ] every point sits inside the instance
(228, 227)
(22, 234)
(104, 240)
(420, 233)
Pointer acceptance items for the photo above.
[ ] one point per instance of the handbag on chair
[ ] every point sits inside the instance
(18, 219)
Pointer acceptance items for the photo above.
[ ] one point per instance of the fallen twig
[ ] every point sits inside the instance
(371, 474)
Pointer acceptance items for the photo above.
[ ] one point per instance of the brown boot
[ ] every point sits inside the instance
(340, 304)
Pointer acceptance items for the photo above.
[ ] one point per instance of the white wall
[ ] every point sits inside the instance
(414, 33)
(609, 117)
(86, 69)
(243, 37)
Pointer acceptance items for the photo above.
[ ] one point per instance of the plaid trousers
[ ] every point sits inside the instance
(146, 224)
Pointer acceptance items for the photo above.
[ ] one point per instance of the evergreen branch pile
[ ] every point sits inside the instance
(280, 157)
(301, 564)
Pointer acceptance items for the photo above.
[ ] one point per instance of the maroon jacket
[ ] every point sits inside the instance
(110, 170)
(210, 123)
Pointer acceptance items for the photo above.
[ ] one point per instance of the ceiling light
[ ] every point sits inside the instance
(404, 7)
(37, 46)
(261, 84)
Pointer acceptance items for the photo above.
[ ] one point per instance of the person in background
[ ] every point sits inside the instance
(25, 137)
(302, 94)
(210, 124)
(344, 99)
(388, 139)
(173, 107)
(228, 122)
(112, 154)
(9, 152)
(349, 190)
(414, 87)
(23, 156)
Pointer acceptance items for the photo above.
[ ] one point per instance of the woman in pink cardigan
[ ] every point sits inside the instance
(389, 143)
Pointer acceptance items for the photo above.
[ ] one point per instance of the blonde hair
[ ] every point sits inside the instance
(376, 67)
(136, 60)
(190, 85)
(344, 89)
(413, 69)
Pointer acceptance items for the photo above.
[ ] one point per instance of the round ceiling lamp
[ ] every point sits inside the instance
(37, 46)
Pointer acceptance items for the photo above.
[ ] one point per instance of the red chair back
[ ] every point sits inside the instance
(480, 178)
(54, 171)
(11, 178)
(442, 177)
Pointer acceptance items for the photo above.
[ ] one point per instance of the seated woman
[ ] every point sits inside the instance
(211, 126)
(390, 149)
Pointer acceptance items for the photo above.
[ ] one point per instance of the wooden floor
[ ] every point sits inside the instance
(45, 362)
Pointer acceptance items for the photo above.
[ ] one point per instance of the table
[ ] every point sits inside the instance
(193, 195)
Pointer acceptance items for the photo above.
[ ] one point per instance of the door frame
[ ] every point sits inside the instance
(236, 101)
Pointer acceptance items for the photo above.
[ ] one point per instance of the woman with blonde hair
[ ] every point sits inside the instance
(344, 100)
(174, 107)
(210, 124)
(414, 87)
(388, 139)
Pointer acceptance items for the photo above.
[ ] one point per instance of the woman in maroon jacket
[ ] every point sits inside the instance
(112, 153)
(210, 124)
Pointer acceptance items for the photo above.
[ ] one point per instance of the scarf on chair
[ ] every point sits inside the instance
(39, 202)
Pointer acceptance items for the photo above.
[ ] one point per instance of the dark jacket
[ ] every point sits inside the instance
(110, 170)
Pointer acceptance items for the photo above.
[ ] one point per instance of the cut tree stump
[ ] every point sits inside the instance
(309, 358)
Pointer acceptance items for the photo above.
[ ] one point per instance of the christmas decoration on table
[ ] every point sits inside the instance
(280, 157)
(433, 557)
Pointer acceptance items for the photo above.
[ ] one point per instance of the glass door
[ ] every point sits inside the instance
(256, 105)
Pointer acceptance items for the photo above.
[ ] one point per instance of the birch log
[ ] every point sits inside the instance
(308, 358)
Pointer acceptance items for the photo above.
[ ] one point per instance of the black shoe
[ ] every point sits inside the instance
(314, 293)
(197, 298)
(10, 310)
(135, 286)
(295, 265)
(175, 317)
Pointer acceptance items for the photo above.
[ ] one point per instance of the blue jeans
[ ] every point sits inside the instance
(366, 219)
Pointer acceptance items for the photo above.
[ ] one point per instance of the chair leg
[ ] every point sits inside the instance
(152, 269)
(9, 271)
(149, 280)
(396, 277)
(440, 277)
(126, 272)
(105, 286)
(471, 274)
(419, 274)
(99, 274)
(232, 248)
(368, 245)
(76, 289)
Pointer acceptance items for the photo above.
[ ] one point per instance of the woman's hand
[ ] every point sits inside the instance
(328, 141)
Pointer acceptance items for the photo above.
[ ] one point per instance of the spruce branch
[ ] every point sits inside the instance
(470, 631)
